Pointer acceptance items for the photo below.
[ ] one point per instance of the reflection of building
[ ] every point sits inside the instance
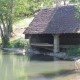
(54, 29)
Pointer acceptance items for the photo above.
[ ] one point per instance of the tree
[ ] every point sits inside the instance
(26, 7)
(47, 3)
(9, 10)
(6, 20)
(73, 0)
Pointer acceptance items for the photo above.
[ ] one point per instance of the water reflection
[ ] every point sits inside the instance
(18, 67)
(11, 66)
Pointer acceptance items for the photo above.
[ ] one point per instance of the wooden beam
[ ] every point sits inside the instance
(51, 45)
(42, 44)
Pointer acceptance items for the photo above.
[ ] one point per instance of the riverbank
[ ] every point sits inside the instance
(61, 56)
(16, 50)
(13, 49)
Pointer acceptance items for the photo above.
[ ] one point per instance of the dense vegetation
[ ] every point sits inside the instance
(73, 51)
(18, 43)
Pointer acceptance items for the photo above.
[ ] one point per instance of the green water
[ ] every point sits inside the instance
(19, 67)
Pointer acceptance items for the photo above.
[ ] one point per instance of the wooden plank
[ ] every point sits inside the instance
(42, 44)
(50, 45)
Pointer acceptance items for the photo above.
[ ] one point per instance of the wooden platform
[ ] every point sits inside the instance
(50, 45)
(42, 44)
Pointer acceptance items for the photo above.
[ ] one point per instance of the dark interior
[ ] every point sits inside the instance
(69, 39)
(42, 38)
(64, 39)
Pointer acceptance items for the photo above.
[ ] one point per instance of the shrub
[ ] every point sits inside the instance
(19, 43)
(73, 51)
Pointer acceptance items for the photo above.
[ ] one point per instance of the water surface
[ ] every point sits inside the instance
(19, 67)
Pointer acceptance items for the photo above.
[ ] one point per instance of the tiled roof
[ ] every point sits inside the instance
(54, 21)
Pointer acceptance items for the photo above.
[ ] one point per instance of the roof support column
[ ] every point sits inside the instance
(56, 43)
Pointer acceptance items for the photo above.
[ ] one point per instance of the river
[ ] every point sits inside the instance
(20, 67)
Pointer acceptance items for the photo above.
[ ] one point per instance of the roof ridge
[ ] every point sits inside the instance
(54, 11)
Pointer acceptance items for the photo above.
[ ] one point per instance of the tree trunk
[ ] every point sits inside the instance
(10, 17)
(4, 32)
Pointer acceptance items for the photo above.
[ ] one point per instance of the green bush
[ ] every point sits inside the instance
(73, 51)
(19, 43)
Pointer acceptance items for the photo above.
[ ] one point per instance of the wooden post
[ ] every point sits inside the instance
(56, 43)
(30, 41)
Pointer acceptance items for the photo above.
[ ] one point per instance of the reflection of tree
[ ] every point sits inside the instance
(6, 68)
(0, 57)
(18, 68)
(11, 68)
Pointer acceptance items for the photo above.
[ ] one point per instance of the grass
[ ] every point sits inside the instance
(22, 23)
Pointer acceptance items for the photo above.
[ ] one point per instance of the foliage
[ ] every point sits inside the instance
(6, 20)
(73, 0)
(47, 3)
(73, 51)
(8, 10)
(19, 43)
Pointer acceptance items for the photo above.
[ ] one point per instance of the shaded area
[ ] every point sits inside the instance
(41, 57)
(42, 38)
(52, 75)
(59, 73)
(65, 41)
(69, 39)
